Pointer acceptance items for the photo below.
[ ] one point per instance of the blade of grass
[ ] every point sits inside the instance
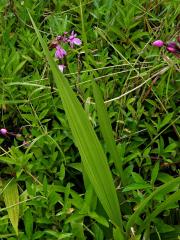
(92, 155)
(106, 129)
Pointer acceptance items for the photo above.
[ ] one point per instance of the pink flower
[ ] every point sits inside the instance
(61, 67)
(3, 131)
(171, 49)
(172, 44)
(60, 52)
(73, 40)
(158, 43)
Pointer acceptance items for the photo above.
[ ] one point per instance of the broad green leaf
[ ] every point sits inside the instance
(167, 187)
(92, 155)
(11, 199)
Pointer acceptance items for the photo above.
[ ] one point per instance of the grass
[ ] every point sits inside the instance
(91, 153)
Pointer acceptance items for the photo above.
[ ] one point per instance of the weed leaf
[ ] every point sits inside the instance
(11, 199)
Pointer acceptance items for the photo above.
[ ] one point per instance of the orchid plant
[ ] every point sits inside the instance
(60, 51)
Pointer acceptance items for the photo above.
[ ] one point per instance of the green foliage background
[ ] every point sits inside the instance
(45, 190)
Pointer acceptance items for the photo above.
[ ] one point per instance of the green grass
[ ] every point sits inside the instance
(91, 153)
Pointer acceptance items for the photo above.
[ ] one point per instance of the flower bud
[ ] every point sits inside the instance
(171, 49)
(158, 43)
(172, 44)
(3, 131)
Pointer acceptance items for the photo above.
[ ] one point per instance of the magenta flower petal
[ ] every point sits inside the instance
(73, 40)
(60, 52)
(77, 41)
(158, 43)
(171, 49)
(3, 131)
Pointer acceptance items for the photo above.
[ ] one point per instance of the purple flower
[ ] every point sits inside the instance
(3, 131)
(172, 44)
(61, 67)
(60, 52)
(171, 49)
(158, 43)
(73, 40)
